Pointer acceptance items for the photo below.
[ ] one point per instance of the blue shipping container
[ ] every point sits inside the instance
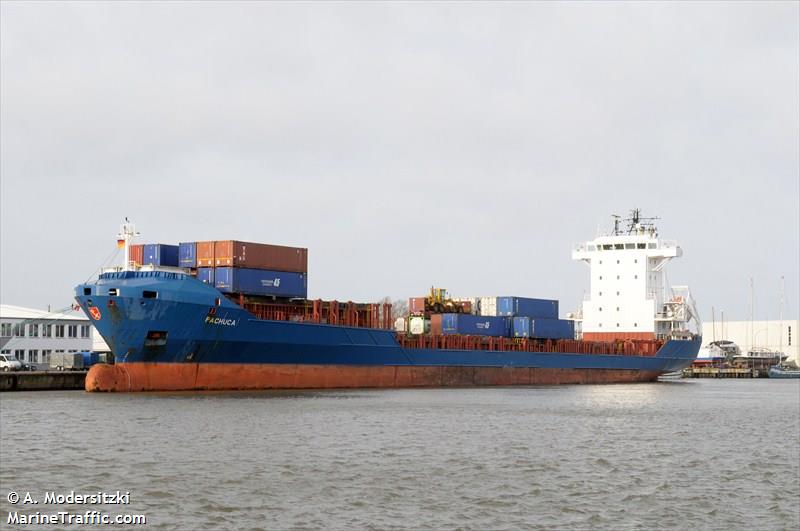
(521, 327)
(523, 306)
(475, 325)
(187, 254)
(161, 254)
(544, 328)
(261, 282)
(206, 274)
(90, 358)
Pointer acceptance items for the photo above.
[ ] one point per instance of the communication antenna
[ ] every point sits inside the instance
(616, 224)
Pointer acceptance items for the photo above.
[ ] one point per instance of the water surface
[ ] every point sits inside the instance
(701, 454)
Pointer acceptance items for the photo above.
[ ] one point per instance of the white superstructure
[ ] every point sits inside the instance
(628, 296)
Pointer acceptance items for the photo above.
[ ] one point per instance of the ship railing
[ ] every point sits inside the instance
(619, 347)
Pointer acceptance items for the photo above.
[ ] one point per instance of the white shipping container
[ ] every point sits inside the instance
(400, 325)
(489, 306)
(419, 325)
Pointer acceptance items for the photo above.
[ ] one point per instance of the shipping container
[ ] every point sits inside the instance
(231, 253)
(488, 306)
(543, 328)
(161, 254)
(416, 305)
(261, 282)
(526, 307)
(419, 325)
(400, 325)
(187, 254)
(105, 357)
(136, 254)
(205, 254)
(90, 358)
(436, 324)
(475, 325)
(206, 274)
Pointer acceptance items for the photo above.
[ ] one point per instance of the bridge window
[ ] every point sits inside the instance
(87, 291)
(651, 245)
(630, 246)
(113, 292)
(608, 247)
(640, 246)
(147, 294)
(618, 246)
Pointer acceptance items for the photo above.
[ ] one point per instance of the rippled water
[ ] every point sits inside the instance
(685, 454)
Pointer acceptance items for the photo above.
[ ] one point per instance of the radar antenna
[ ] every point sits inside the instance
(638, 224)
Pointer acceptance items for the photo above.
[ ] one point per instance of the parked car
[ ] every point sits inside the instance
(10, 363)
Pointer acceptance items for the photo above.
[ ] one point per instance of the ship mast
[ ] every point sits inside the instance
(127, 232)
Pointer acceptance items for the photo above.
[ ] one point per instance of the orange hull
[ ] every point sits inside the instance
(225, 376)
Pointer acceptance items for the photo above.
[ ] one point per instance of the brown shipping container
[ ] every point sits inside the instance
(260, 256)
(205, 254)
(416, 305)
(137, 254)
(436, 324)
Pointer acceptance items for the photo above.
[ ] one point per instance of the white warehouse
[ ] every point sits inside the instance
(776, 336)
(33, 335)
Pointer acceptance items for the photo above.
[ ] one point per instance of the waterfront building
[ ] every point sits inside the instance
(33, 335)
(757, 336)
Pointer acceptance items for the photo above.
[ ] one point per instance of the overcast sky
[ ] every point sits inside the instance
(464, 145)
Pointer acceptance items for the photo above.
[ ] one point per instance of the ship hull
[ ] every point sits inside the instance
(185, 336)
(128, 377)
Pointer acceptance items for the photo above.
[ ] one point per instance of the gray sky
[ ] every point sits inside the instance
(463, 145)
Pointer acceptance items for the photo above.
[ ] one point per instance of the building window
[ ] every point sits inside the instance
(635, 261)
(600, 293)
(60, 351)
(60, 331)
(19, 330)
(84, 330)
(617, 325)
(72, 350)
(600, 309)
(20, 354)
(618, 294)
(601, 277)
(617, 308)
(635, 325)
(46, 356)
(601, 262)
(635, 277)
(600, 325)
(617, 261)
(47, 330)
(617, 277)
(5, 351)
(5, 329)
(790, 336)
(33, 356)
(33, 330)
(73, 330)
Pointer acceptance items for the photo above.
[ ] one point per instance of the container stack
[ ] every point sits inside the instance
(521, 317)
(246, 268)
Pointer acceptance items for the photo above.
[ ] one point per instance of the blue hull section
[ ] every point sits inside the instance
(135, 326)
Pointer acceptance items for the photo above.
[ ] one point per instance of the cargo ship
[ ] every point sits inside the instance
(233, 315)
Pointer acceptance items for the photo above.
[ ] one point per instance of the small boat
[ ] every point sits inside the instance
(780, 371)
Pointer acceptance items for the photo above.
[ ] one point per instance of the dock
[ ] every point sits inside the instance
(42, 381)
(719, 372)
